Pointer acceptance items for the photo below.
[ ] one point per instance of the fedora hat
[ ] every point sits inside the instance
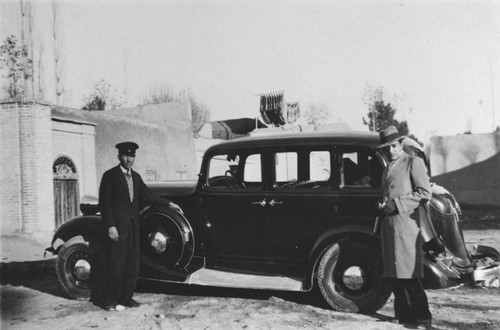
(388, 136)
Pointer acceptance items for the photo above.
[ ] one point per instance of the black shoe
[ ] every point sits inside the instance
(409, 322)
(133, 304)
(424, 324)
(109, 308)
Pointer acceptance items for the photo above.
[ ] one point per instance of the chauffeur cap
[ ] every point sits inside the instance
(127, 148)
(388, 136)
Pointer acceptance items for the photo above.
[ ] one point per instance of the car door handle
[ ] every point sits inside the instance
(261, 203)
(273, 202)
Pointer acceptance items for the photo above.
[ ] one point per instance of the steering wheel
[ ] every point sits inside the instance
(232, 181)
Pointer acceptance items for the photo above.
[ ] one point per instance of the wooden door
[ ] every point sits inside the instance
(65, 200)
(65, 190)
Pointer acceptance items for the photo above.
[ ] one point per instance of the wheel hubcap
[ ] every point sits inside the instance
(82, 269)
(353, 278)
(158, 242)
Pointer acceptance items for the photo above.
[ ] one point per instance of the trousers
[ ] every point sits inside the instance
(410, 301)
(123, 268)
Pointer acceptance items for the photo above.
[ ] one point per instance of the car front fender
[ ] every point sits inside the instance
(87, 226)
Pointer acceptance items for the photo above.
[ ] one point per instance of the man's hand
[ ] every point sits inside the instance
(390, 208)
(113, 233)
(176, 207)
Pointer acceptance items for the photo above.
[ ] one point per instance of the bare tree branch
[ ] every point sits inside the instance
(58, 41)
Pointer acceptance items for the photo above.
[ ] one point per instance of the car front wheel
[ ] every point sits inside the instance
(350, 278)
(80, 267)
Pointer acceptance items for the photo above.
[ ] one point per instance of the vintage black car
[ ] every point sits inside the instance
(282, 212)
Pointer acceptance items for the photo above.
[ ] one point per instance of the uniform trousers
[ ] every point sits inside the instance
(410, 301)
(123, 268)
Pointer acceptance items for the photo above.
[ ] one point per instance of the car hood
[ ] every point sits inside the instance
(174, 188)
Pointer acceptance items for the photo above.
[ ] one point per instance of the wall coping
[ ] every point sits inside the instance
(24, 100)
(73, 121)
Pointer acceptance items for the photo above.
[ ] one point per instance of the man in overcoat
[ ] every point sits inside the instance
(405, 188)
(122, 193)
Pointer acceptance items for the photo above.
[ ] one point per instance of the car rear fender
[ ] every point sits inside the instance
(353, 232)
(87, 226)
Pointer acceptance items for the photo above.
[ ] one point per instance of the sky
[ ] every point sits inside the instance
(437, 61)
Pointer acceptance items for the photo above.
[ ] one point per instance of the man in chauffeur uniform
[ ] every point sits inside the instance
(121, 193)
(405, 188)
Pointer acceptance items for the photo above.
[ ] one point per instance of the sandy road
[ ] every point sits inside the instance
(39, 303)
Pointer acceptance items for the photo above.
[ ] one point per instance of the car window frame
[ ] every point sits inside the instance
(243, 153)
(339, 161)
(303, 158)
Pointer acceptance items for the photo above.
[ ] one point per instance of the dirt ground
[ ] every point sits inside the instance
(39, 303)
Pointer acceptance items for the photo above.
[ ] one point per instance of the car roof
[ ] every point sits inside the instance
(345, 138)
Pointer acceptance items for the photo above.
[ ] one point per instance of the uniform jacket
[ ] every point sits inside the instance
(114, 200)
(406, 181)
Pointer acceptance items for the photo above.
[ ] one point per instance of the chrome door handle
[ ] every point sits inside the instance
(261, 203)
(273, 202)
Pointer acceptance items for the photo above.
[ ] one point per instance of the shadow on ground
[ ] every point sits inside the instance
(312, 298)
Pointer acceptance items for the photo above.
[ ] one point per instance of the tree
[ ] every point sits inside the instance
(14, 59)
(381, 114)
(316, 114)
(40, 69)
(200, 113)
(58, 41)
(102, 98)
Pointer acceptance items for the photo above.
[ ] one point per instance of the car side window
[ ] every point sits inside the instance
(319, 168)
(235, 171)
(360, 169)
(252, 172)
(286, 167)
(302, 169)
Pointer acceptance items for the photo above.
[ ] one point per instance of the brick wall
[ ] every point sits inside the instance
(27, 200)
(10, 172)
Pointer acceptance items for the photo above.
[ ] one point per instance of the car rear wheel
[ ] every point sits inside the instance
(80, 267)
(350, 278)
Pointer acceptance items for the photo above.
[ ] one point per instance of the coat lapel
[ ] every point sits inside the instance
(388, 174)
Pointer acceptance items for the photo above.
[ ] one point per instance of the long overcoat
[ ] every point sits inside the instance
(406, 181)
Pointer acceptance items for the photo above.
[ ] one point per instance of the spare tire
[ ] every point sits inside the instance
(167, 240)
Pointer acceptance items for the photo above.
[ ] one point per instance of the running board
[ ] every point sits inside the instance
(219, 278)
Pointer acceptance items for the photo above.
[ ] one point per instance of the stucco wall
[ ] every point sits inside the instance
(163, 132)
(469, 166)
(76, 140)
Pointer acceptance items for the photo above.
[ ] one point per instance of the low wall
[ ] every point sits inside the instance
(469, 166)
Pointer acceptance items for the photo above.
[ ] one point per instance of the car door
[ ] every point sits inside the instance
(233, 207)
(301, 201)
(359, 189)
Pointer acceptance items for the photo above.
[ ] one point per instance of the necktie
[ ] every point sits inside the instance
(130, 184)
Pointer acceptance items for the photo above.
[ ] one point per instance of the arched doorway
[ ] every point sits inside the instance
(65, 189)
